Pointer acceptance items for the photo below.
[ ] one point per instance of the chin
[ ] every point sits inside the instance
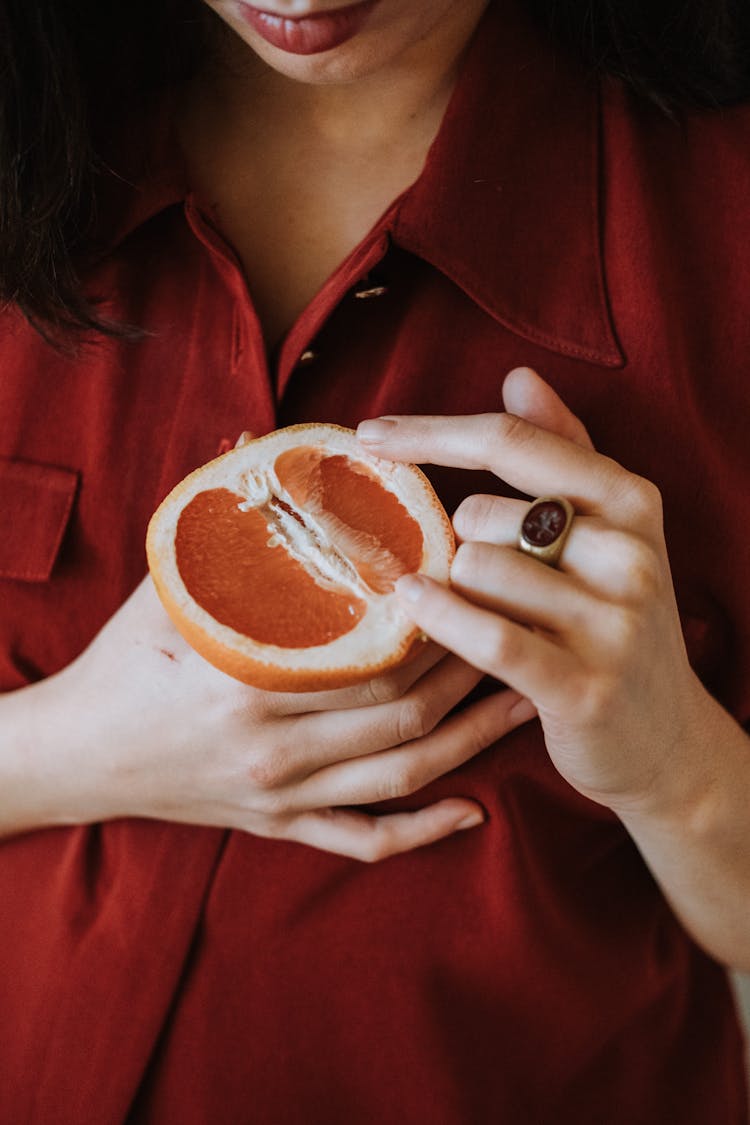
(327, 69)
(347, 63)
(392, 29)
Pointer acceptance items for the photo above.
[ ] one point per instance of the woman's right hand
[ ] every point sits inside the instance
(140, 725)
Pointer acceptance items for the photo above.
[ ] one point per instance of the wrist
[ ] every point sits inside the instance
(48, 766)
(695, 839)
(695, 771)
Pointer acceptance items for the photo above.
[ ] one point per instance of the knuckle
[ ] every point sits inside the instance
(270, 827)
(383, 689)
(466, 561)
(243, 706)
(512, 429)
(626, 630)
(651, 496)
(477, 736)
(578, 617)
(275, 807)
(643, 577)
(399, 782)
(643, 499)
(474, 514)
(503, 649)
(375, 847)
(415, 720)
(267, 770)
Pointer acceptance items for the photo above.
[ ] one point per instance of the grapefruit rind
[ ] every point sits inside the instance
(384, 638)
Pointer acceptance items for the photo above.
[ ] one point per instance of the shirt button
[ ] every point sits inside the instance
(307, 357)
(371, 291)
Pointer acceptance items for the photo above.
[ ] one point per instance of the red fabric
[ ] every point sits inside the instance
(35, 502)
(525, 972)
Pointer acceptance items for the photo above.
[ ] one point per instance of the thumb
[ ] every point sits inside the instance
(526, 394)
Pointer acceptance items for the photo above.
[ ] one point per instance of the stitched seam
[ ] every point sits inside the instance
(66, 486)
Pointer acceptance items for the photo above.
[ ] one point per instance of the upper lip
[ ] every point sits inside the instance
(307, 15)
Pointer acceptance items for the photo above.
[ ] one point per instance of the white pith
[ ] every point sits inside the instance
(248, 471)
(309, 542)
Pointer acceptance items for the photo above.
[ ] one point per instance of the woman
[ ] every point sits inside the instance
(345, 213)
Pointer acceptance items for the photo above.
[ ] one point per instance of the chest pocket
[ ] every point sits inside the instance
(35, 505)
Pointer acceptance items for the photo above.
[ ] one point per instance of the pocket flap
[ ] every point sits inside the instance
(35, 503)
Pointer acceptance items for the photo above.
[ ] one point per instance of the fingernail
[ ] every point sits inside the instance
(244, 438)
(473, 820)
(522, 711)
(375, 429)
(410, 587)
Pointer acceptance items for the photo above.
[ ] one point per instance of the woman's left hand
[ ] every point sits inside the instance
(595, 643)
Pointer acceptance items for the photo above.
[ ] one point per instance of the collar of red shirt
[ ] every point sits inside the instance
(508, 203)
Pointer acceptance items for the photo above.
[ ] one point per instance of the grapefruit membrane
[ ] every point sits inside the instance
(277, 560)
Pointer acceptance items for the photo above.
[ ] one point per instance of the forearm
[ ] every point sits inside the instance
(698, 845)
(38, 778)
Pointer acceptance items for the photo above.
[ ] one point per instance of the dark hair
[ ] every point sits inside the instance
(67, 68)
(68, 65)
(677, 54)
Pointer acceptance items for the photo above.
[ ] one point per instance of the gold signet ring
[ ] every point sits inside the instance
(545, 528)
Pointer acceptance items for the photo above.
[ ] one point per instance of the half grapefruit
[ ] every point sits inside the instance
(277, 560)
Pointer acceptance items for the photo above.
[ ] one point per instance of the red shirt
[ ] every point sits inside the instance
(528, 971)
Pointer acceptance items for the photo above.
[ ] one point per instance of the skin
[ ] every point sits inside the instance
(318, 145)
(596, 645)
(400, 36)
(139, 725)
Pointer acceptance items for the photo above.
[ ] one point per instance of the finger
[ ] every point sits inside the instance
(530, 459)
(372, 838)
(244, 438)
(526, 394)
(532, 664)
(517, 586)
(339, 737)
(608, 562)
(384, 688)
(490, 519)
(406, 769)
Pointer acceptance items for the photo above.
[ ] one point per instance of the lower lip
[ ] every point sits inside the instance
(309, 35)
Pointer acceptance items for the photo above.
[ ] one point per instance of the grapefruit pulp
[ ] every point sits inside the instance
(277, 560)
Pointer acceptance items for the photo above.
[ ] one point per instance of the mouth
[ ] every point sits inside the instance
(309, 34)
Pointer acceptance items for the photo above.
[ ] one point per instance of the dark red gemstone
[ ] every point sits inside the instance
(544, 523)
